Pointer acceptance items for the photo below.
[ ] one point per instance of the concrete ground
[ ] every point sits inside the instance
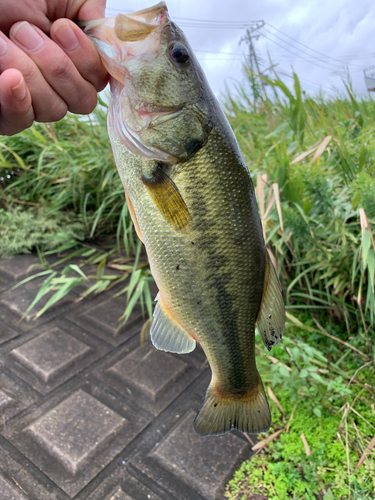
(86, 412)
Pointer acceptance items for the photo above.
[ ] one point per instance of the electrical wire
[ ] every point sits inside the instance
(297, 55)
(306, 46)
(334, 65)
(339, 63)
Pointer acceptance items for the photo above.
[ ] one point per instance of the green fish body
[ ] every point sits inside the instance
(193, 204)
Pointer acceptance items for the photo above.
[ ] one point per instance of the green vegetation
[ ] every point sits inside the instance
(325, 395)
(313, 163)
(317, 157)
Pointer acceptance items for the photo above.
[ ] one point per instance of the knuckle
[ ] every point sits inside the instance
(85, 105)
(52, 113)
(59, 112)
(61, 70)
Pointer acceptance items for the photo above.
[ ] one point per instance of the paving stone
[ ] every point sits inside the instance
(121, 485)
(10, 491)
(87, 413)
(199, 461)
(19, 267)
(7, 333)
(76, 430)
(16, 302)
(15, 396)
(50, 354)
(75, 435)
(24, 478)
(4, 284)
(150, 377)
(55, 353)
(187, 465)
(5, 400)
(102, 319)
(138, 370)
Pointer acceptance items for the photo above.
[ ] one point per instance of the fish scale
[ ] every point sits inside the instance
(193, 204)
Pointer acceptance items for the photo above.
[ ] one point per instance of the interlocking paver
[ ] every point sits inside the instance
(50, 354)
(18, 268)
(7, 333)
(199, 461)
(75, 434)
(102, 319)
(76, 430)
(87, 412)
(15, 396)
(151, 378)
(121, 485)
(9, 491)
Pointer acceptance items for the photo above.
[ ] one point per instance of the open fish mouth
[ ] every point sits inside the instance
(119, 40)
(127, 36)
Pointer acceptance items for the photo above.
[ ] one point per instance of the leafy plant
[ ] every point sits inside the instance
(323, 421)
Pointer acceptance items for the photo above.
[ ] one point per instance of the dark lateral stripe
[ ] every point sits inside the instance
(168, 199)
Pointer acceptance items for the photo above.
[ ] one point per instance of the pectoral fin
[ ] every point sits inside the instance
(168, 199)
(167, 334)
(271, 316)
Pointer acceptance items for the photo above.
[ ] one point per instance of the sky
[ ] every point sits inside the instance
(321, 40)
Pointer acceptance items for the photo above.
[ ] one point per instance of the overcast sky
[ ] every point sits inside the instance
(326, 37)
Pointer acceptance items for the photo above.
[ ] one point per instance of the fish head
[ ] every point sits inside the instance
(157, 109)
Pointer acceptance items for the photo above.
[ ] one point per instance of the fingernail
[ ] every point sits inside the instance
(19, 91)
(66, 37)
(3, 46)
(26, 35)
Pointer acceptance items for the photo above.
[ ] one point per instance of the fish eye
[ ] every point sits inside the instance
(179, 53)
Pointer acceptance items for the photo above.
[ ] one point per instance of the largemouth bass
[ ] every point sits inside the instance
(193, 205)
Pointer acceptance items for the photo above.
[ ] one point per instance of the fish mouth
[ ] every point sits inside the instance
(128, 36)
(118, 40)
(138, 25)
(128, 28)
(134, 116)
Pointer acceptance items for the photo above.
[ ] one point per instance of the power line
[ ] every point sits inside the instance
(297, 55)
(221, 53)
(334, 65)
(300, 43)
(201, 23)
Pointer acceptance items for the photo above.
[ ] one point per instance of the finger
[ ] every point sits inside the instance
(86, 10)
(47, 104)
(17, 112)
(81, 51)
(55, 66)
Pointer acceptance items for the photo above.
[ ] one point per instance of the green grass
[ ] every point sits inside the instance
(323, 247)
(325, 397)
(313, 163)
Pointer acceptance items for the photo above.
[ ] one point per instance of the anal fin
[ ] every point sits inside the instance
(167, 334)
(271, 316)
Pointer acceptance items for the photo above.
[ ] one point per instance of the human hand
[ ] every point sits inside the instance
(42, 77)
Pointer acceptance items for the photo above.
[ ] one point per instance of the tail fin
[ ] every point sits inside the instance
(219, 414)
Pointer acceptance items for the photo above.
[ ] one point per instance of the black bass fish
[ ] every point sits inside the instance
(193, 205)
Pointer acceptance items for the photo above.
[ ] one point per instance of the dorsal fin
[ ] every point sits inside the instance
(271, 316)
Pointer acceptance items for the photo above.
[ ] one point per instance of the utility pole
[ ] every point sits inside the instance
(369, 75)
(248, 38)
(253, 57)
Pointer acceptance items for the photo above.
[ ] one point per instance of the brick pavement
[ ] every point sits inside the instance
(86, 412)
